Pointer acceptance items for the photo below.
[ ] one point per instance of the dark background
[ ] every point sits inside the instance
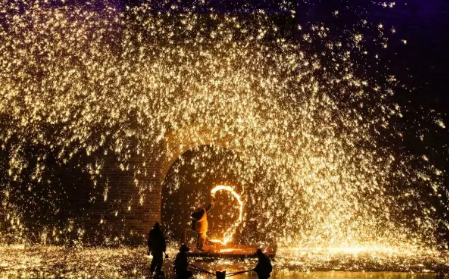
(420, 65)
(417, 54)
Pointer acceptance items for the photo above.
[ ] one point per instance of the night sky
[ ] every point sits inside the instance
(421, 64)
(417, 52)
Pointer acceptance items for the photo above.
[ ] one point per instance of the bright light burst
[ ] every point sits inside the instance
(227, 235)
(80, 85)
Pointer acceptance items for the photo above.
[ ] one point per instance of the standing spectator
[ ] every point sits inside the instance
(157, 248)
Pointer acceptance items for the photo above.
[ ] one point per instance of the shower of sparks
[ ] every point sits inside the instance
(56, 261)
(79, 86)
(227, 236)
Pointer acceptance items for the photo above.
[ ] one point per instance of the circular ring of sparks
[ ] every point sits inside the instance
(227, 236)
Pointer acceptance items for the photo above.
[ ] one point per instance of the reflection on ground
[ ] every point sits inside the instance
(124, 262)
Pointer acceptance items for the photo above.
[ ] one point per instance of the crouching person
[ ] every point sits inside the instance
(182, 264)
(263, 267)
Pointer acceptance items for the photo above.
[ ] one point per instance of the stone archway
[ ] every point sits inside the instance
(189, 183)
(175, 143)
(179, 141)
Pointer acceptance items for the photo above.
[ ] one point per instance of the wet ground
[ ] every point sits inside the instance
(348, 275)
(60, 262)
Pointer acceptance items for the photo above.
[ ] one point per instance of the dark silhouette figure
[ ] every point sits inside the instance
(181, 263)
(200, 224)
(263, 267)
(157, 247)
(440, 275)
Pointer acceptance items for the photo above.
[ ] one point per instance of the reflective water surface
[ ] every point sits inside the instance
(126, 262)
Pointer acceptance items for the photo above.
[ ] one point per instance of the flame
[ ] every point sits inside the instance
(227, 236)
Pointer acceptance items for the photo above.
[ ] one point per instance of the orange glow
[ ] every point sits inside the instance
(227, 236)
(228, 250)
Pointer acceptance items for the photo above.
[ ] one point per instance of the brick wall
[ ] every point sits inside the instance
(128, 212)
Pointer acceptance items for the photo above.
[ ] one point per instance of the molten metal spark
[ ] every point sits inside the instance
(227, 236)
(80, 85)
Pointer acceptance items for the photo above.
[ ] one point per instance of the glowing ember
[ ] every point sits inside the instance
(81, 86)
(227, 235)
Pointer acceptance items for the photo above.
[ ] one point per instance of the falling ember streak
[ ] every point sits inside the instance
(81, 86)
(227, 236)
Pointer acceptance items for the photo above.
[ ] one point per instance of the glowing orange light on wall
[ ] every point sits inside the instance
(227, 236)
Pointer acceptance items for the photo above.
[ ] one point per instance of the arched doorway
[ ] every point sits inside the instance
(188, 183)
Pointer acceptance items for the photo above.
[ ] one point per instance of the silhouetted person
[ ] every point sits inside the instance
(200, 224)
(157, 247)
(263, 267)
(181, 264)
(440, 275)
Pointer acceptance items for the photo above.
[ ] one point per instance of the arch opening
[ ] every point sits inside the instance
(188, 185)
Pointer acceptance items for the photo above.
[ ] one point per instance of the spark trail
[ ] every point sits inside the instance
(78, 82)
(227, 235)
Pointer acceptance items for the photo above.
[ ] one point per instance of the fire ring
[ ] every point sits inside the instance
(227, 235)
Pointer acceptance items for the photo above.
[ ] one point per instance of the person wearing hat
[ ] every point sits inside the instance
(200, 224)
(157, 247)
(263, 267)
(181, 263)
